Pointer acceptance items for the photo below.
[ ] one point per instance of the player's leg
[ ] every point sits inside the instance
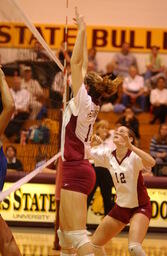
(8, 246)
(72, 232)
(138, 228)
(108, 228)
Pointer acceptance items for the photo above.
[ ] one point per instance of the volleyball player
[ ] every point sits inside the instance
(78, 176)
(8, 245)
(132, 205)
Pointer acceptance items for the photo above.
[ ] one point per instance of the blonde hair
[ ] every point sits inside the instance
(101, 86)
(102, 123)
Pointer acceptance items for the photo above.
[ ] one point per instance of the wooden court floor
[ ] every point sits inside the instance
(39, 242)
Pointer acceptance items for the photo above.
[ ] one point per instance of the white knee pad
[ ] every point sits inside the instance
(64, 242)
(135, 249)
(73, 239)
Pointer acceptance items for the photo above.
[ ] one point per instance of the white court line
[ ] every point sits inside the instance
(27, 178)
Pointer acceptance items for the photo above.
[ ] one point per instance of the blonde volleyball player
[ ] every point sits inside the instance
(132, 202)
(78, 176)
(8, 245)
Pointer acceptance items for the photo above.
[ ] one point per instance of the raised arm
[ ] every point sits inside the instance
(7, 102)
(78, 58)
(85, 57)
(147, 159)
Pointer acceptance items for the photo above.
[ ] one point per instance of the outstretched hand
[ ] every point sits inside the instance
(79, 20)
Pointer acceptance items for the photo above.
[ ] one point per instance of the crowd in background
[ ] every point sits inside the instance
(139, 93)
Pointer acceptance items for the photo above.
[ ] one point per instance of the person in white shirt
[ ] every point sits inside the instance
(133, 89)
(103, 177)
(132, 201)
(22, 108)
(35, 90)
(158, 100)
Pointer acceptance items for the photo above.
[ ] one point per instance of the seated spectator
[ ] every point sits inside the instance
(103, 177)
(114, 102)
(12, 161)
(158, 100)
(22, 108)
(133, 89)
(154, 63)
(35, 90)
(61, 54)
(92, 58)
(110, 70)
(39, 53)
(158, 146)
(129, 120)
(123, 60)
(57, 89)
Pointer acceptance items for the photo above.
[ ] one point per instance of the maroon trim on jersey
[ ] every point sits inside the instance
(127, 155)
(73, 147)
(143, 197)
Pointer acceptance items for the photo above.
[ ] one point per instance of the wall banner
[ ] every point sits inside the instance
(104, 38)
(36, 203)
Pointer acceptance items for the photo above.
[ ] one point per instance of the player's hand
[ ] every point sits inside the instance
(79, 20)
(96, 140)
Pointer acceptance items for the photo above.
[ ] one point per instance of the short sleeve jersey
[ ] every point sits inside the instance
(77, 128)
(127, 177)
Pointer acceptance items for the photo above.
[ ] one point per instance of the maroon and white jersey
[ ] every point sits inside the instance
(77, 128)
(127, 176)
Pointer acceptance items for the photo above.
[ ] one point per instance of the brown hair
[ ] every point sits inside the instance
(159, 138)
(101, 87)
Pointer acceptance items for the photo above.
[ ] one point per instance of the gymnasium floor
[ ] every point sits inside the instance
(39, 242)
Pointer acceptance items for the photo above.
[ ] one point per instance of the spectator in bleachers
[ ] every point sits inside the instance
(103, 177)
(154, 63)
(158, 147)
(57, 88)
(22, 108)
(92, 58)
(123, 60)
(129, 120)
(39, 53)
(12, 161)
(133, 89)
(35, 90)
(158, 100)
(61, 54)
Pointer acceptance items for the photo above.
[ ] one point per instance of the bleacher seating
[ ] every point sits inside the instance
(147, 131)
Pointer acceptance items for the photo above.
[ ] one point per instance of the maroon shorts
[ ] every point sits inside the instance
(78, 176)
(125, 214)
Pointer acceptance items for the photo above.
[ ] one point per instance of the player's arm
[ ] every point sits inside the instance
(77, 55)
(147, 159)
(85, 57)
(7, 102)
